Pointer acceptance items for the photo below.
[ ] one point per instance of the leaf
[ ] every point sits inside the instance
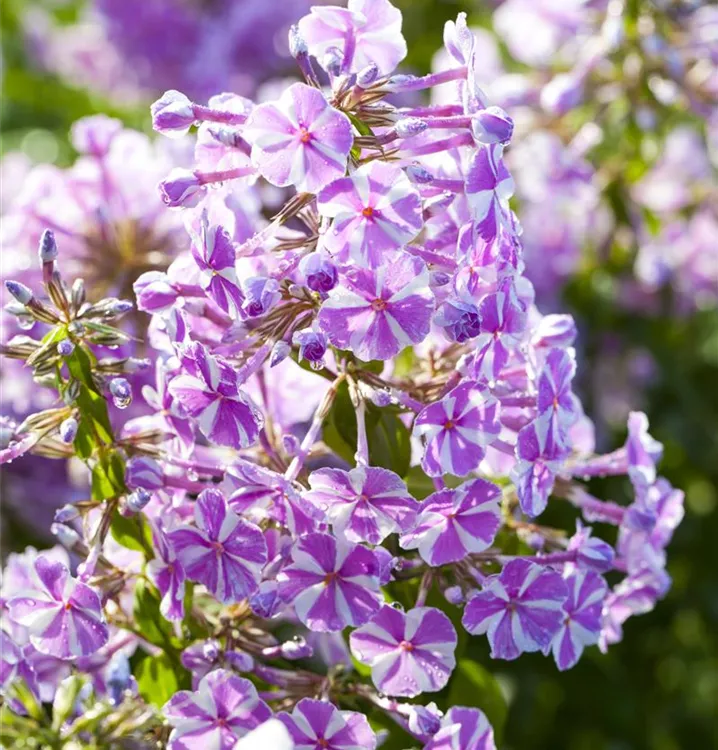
(157, 679)
(421, 485)
(474, 686)
(148, 618)
(132, 533)
(404, 362)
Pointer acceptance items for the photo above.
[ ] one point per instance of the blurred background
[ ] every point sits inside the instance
(614, 158)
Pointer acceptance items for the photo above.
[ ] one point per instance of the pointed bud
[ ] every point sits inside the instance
(172, 114)
(181, 189)
(121, 392)
(68, 430)
(67, 536)
(492, 125)
(418, 175)
(48, 247)
(21, 293)
(66, 514)
(280, 351)
(138, 500)
(65, 348)
(410, 127)
(297, 44)
(454, 595)
(290, 444)
(297, 648)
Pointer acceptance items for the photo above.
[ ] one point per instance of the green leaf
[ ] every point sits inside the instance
(420, 485)
(375, 365)
(474, 686)
(157, 679)
(404, 362)
(64, 701)
(132, 533)
(149, 621)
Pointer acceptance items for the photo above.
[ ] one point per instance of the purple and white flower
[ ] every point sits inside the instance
(299, 140)
(167, 573)
(581, 624)
(520, 609)
(455, 523)
(374, 210)
(318, 725)
(331, 583)
(63, 616)
(223, 552)
(488, 189)
(376, 313)
(457, 429)
(365, 504)
(409, 653)
(211, 394)
(222, 709)
(463, 729)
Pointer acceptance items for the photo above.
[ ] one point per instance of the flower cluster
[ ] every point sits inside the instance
(356, 419)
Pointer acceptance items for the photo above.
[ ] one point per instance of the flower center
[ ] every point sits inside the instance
(368, 212)
(449, 425)
(406, 646)
(68, 606)
(363, 498)
(304, 135)
(329, 577)
(322, 742)
(218, 548)
(378, 305)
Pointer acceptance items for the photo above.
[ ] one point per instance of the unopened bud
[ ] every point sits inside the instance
(297, 44)
(48, 247)
(280, 351)
(297, 648)
(138, 500)
(418, 175)
(118, 678)
(121, 392)
(381, 398)
(410, 127)
(67, 536)
(439, 278)
(21, 293)
(492, 125)
(181, 189)
(65, 348)
(454, 595)
(68, 430)
(67, 513)
(172, 114)
(290, 444)
(121, 306)
(332, 61)
(367, 76)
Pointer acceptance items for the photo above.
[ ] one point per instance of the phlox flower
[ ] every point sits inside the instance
(582, 617)
(409, 653)
(63, 616)
(374, 210)
(463, 729)
(331, 583)
(488, 189)
(223, 552)
(457, 429)
(454, 523)
(365, 504)
(167, 573)
(377, 312)
(299, 140)
(555, 396)
(222, 709)
(318, 725)
(520, 609)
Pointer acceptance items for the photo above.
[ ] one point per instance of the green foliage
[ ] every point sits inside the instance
(132, 532)
(157, 679)
(473, 685)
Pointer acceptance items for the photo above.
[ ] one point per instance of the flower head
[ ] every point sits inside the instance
(318, 725)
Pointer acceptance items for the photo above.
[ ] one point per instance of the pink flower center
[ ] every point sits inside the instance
(304, 135)
(368, 212)
(218, 548)
(378, 305)
(329, 577)
(68, 606)
(449, 425)
(363, 498)
(322, 742)
(406, 646)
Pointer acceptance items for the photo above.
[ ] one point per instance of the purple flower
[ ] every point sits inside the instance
(144, 472)
(591, 553)
(167, 573)
(555, 396)
(224, 552)
(582, 618)
(635, 595)
(488, 189)
(312, 345)
(492, 125)
(211, 395)
(374, 210)
(520, 609)
(63, 616)
(503, 320)
(535, 470)
(331, 583)
(459, 318)
(223, 708)
(365, 504)
(318, 725)
(457, 429)
(299, 140)
(172, 114)
(455, 523)
(642, 451)
(261, 294)
(376, 313)
(463, 729)
(319, 272)
(366, 32)
(182, 189)
(214, 253)
(409, 653)
(10, 657)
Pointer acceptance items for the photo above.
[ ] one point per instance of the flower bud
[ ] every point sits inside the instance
(68, 430)
(121, 307)
(211, 650)
(182, 189)
(332, 61)
(312, 345)
(290, 444)
(418, 175)
(118, 677)
(295, 649)
(67, 513)
(280, 351)
(454, 595)
(239, 661)
(319, 272)
(261, 294)
(410, 127)
(137, 501)
(67, 536)
(492, 125)
(65, 348)
(439, 278)
(48, 247)
(367, 76)
(381, 398)
(21, 293)
(121, 392)
(297, 44)
(172, 114)
(265, 603)
(142, 472)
